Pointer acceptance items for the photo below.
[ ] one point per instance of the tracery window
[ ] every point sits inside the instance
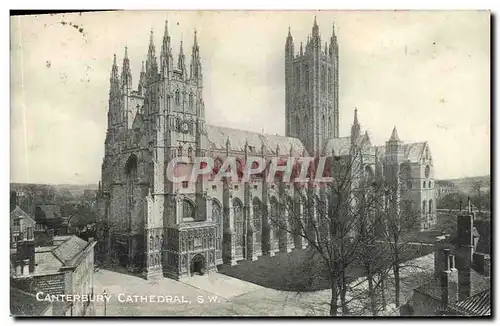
(238, 221)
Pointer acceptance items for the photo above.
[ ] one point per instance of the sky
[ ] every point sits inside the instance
(428, 73)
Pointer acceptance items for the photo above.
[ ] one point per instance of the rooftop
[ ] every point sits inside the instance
(26, 304)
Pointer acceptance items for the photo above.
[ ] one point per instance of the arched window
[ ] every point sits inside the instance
(430, 184)
(423, 185)
(306, 78)
(190, 100)
(430, 206)
(323, 124)
(131, 177)
(368, 172)
(424, 206)
(274, 218)
(257, 219)
(330, 127)
(177, 97)
(427, 171)
(238, 221)
(330, 80)
(298, 78)
(305, 128)
(217, 217)
(187, 210)
(323, 80)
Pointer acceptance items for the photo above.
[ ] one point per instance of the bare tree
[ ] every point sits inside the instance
(334, 218)
(398, 218)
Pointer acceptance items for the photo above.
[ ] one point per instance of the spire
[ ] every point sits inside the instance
(289, 45)
(196, 73)
(394, 135)
(142, 81)
(166, 59)
(126, 78)
(114, 70)
(315, 29)
(355, 129)
(181, 65)
(151, 63)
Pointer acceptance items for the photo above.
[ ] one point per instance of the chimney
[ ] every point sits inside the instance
(465, 250)
(440, 244)
(449, 279)
(482, 263)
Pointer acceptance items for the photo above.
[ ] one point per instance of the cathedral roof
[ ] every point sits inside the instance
(341, 146)
(414, 151)
(218, 136)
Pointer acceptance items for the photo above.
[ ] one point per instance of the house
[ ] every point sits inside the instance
(461, 284)
(65, 267)
(23, 304)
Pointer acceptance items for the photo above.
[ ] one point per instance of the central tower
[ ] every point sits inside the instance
(311, 90)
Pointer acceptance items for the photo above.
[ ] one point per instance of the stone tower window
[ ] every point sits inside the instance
(306, 78)
(424, 206)
(298, 78)
(297, 126)
(330, 80)
(131, 177)
(257, 216)
(187, 210)
(238, 221)
(190, 100)
(323, 80)
(427, 171)
(177, 97)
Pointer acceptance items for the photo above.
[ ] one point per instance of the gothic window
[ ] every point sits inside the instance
(257, 219)
(329, 127)
(424, 206)
(368, 172)
(297, 126)
(427, 171)
(187, 210)
(298, 79)
(323, 124)
(190, 100)
(238, 221)
(273, 218)
(306, 78)
(423, 185)
(305, 127)
(330, 80)
(430, 206)
(157, 244)
(177, 97)
(131, 177)
(150, 242)
(323, 80)
(217, 216)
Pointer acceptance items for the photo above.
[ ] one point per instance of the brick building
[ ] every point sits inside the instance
(65, 266)
(461, 284)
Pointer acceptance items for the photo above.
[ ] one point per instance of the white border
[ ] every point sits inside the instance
(191, 5)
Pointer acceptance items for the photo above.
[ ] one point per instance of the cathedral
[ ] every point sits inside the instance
(162, 228)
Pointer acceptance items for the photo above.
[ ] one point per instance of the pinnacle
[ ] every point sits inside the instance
(394, 135)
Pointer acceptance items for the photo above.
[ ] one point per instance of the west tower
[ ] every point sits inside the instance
(311, 90)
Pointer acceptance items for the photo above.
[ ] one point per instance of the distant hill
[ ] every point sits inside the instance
(467, 185)
(75, 190)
